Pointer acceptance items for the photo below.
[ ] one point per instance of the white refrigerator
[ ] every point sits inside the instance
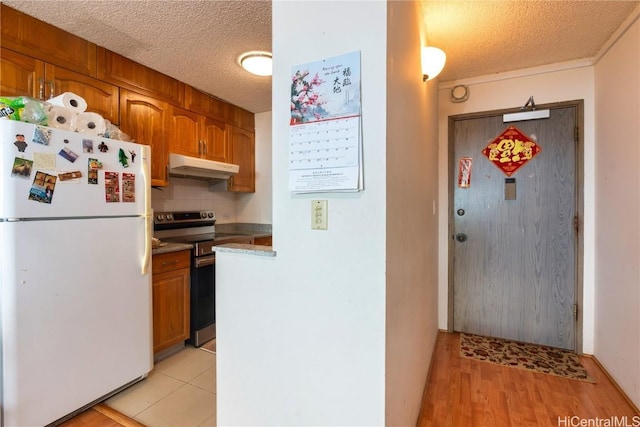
(75, 279)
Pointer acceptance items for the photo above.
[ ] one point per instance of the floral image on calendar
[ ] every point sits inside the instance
(325, 146)
(326, 89)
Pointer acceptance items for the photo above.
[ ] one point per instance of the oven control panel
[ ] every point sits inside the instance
(183, 217)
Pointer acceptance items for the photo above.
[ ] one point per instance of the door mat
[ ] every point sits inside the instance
(532, 357)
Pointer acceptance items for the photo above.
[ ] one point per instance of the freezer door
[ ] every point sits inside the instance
(76, 314)
(47, 173)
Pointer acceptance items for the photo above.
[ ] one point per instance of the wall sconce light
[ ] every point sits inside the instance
(258, 63)
(433, 60)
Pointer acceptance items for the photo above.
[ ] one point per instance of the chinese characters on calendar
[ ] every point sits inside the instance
(325, 144)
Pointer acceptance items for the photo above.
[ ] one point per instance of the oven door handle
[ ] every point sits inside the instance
(204, 261)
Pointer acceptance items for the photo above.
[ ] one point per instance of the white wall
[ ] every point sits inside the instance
(412, 233)
(301, 337)
(617, 240)
(256, 207)
(560, 82)
(193, 194)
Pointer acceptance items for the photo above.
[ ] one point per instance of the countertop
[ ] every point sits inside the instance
(241, 248)
(245, 229)
(171, 247)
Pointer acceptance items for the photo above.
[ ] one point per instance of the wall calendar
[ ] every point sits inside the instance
(325, 138)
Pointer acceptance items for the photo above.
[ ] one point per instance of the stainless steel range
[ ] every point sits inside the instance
(198, 229)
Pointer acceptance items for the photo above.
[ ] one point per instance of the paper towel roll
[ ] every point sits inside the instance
(89, 123)
(60, 117)
(71, 101)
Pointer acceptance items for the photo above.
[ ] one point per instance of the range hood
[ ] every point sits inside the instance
(194, 167)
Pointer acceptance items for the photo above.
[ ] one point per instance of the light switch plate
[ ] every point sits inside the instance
(318, 214)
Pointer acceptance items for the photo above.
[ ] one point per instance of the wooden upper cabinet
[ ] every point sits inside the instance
(101, 97)
(146, 120)
(123, 72)
(185, 133)
(244, 119)
(197, 136)
(214, 137)
(195, 100)
(24, 34)
(20, 75)
(242, 149)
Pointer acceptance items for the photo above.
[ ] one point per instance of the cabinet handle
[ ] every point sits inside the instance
(165, 263)
(52, 89)
(41, 88)
(204, 147)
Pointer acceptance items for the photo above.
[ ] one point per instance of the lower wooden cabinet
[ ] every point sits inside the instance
(171, 304)
(263, 241)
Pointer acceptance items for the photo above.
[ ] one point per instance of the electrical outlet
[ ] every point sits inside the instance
(318, 214)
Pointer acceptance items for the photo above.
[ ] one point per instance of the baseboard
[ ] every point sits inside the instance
(610, 378)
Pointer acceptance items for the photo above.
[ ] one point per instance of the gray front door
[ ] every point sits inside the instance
(514, 238)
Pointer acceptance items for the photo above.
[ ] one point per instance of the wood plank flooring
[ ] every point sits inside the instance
(470, 393)
(101, 416)
(467, 392)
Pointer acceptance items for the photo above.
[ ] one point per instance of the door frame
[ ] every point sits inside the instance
(579, 201)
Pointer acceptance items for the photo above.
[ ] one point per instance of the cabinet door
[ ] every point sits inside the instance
(170, 308)
(263, 241)
(205, 104)
(25, 34)
(214, 135)
(101, 97)
(20, 75)
(123, 72)
(146, 120)
(242, 149)
(185, 133)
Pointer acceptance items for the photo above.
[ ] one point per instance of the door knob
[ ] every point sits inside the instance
(461, 237)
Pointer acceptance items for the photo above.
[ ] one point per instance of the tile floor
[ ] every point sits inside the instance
(180, 391)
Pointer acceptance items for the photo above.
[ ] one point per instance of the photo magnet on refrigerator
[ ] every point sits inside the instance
(111, 187)
(87, 146)
(41, 135)
(68, 154)
(128, 187)
(68, 176)
(20, 144)
(92, 174)
(42, 187)
(21, 168)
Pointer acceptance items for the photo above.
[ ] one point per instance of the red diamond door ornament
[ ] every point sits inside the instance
(511, 150)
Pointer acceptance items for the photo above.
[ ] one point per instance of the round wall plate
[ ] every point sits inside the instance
(459, 93)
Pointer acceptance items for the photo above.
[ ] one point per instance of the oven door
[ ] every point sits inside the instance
(203, 300)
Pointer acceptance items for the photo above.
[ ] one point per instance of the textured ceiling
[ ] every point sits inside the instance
(199, 41)
(487, 37)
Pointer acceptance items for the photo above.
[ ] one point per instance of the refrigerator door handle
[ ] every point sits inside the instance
(146, 182)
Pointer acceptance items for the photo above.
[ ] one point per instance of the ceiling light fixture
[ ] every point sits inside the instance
(257, 62)
(433, 60)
